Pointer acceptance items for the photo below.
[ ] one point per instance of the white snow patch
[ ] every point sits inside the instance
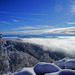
(63, 72)
(70, 64)
(61, 63)
(42, 68)
(25, 70)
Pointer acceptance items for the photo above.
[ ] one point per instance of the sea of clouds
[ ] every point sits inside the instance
(63, 44)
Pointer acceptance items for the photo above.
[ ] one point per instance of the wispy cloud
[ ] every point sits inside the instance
(66, 31)
(37, 32)
(73, 8)
(72, 1)
(34, 27)
(4, 22)
(23, 13)
(70, 22)
(39, 14)
(27, 18)
(15, 20)
(25, 27)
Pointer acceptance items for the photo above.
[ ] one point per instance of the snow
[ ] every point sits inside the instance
(61, 63)
(54, 73)
(42, 68)
(70, 64)
(66, 63)
(8, 47)
(67, 72)
(26, 71)
(9, 73)
(23, 71)
(63, 72)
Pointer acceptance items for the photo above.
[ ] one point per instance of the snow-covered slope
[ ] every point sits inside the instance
(25, 71)
(70, 64)
(61, 63)
(43, 68)
(63, 72)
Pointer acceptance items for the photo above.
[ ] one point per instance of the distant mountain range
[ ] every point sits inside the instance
(42, 35)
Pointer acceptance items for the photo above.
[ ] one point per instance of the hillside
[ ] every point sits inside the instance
(43, 68)
(16, 54)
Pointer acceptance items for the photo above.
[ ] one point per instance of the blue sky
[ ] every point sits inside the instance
(37, 16)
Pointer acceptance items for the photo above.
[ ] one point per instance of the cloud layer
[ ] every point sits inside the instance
(63, 44)
(42, 30)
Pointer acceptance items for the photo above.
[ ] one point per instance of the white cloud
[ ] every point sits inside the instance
(67, 30)
(33, 27)
(70, 22)
(73, 1)
(15, 20)
(65, 44)
(73, 8)
(28, 18)
(39, 14)
(34, 30)
(24, 13)
(25, 27)
(4, 22)
(37, 32)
